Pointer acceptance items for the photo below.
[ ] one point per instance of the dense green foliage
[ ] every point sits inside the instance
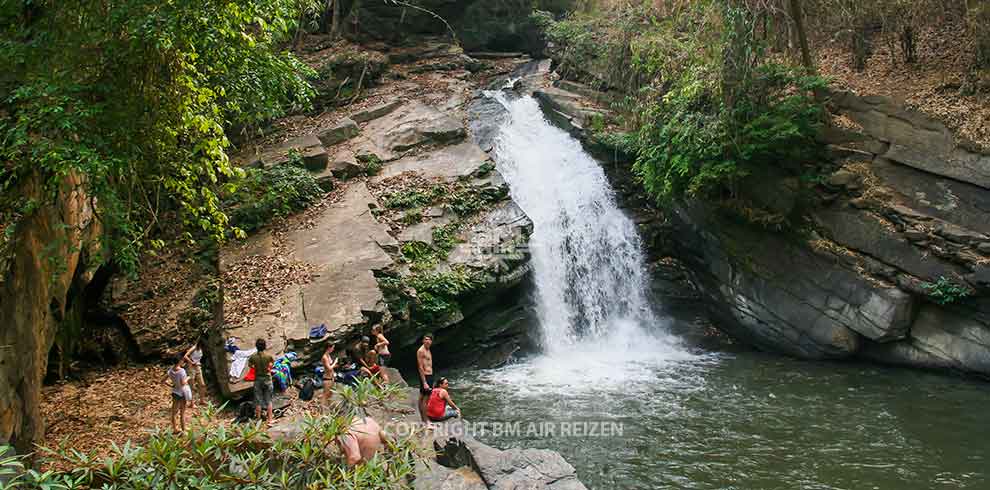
(944, 291)
(269, 193)
(210, 456)
(707, 104)
(136, 96)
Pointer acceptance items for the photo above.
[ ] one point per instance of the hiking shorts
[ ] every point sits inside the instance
(263, 393)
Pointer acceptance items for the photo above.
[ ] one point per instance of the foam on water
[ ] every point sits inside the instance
(597, 323)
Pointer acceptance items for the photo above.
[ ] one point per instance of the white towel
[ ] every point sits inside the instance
(238, 362)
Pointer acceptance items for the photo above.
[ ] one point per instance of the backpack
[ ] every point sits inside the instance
(306, 392)
(245, 412)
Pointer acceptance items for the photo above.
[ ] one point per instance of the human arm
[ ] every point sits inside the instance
(382, 342)
(450, 401)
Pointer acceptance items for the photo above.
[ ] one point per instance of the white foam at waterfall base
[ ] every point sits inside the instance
(597, 326)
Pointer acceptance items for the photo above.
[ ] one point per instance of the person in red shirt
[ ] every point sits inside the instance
(441, 407)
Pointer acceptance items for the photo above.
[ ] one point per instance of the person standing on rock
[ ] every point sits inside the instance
(424, 363)
(194, 359)
(441, 407)
(181, 393)
(263, 389)
(329, 365)
(381, 345)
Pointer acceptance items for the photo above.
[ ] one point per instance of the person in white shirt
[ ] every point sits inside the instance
(181, 393)
(194, 361)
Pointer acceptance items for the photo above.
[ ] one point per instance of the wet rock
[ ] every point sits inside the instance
(954, 337)
(342, 131)
(984, 247)
(511, 469)
(778, 295)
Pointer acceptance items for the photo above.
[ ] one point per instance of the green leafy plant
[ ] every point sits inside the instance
(136, 98)
(413, 198)
(945, 292)
(216, 457)
(438, 292)
(269, 193)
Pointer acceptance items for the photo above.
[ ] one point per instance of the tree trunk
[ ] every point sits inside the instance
(907, 45)
(334, 19)
(802, 37)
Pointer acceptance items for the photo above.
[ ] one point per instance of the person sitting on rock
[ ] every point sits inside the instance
(441, 407)
(372, 370)
(364, 439)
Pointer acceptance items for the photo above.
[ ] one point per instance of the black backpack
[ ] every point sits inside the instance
(307, 390)
(245, 412)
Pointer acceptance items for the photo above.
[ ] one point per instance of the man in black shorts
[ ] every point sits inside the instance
(424, 363)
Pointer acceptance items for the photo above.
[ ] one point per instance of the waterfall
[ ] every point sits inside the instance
(587, 257)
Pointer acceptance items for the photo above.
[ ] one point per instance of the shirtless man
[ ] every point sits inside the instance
(329, 364)
(424, 362)
(364, 438)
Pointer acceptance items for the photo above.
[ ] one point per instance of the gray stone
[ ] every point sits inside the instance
(375, 112)
(955, 202)
(958, 164)
(915, 139)
(345, 249)
(842, 178)
(984, 248)
(958, 234)
(865, 232)
(954, 338)
(409, 126)
(345, 165)
(342, 131)
(450, 162)
(915, 235)
(781, 296)
(433, 476)
(513, 469)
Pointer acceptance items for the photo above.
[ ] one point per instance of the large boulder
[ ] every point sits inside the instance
(510, 469)
(915, 139)
(953, 338)
(785, 297)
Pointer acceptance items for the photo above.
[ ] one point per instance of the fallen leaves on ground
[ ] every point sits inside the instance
(930, 86)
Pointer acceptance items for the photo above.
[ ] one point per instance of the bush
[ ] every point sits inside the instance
(266, 194)
(945, 291)
(693, 145)
(211, 456)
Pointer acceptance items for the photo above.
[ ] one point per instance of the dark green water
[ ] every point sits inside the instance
(742, 421)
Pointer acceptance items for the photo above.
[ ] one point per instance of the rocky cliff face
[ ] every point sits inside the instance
(892, 261)
(427, 242)
(40, 290)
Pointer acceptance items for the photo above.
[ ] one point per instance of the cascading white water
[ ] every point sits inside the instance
(586, 254)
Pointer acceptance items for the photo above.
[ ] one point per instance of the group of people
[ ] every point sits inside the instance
(367, 359)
